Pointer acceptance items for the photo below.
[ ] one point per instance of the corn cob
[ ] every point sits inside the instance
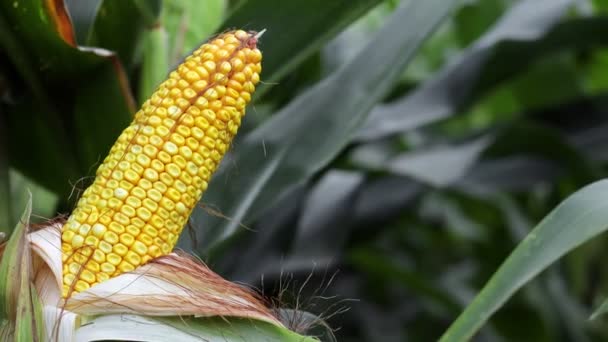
(148, 185)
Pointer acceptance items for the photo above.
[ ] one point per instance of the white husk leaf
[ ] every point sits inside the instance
(60, 325)
(173, 285)
(132, 328)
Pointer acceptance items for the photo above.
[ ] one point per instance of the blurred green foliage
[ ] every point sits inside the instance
(396, 154)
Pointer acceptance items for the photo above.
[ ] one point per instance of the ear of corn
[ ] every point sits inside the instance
(157, 170)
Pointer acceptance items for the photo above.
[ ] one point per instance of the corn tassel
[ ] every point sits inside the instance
(158, 169)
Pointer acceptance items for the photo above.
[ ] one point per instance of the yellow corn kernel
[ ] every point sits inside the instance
(125, 267)
(120, 249)
(81, 285)
(114, 259)
(148, 185)
(87, 276)
(107, 268)
(93, 266)
(98, 230)
(99, 255)
(101, 276)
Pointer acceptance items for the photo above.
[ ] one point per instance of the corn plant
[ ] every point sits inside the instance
(406, 170)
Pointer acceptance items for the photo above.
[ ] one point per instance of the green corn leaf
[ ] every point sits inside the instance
(578, 219)
(20, 308)
(155, 63)
(278, 154)
(11, 264)
(189, 22)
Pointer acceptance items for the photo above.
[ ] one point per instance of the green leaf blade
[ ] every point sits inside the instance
(11, 265)
(63, 83)
(155, 63)
(578, 219)
(20, 307)
(483, 65)
(189, 22)
(324, 117)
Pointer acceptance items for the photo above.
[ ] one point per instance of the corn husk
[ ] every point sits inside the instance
(174, 297)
